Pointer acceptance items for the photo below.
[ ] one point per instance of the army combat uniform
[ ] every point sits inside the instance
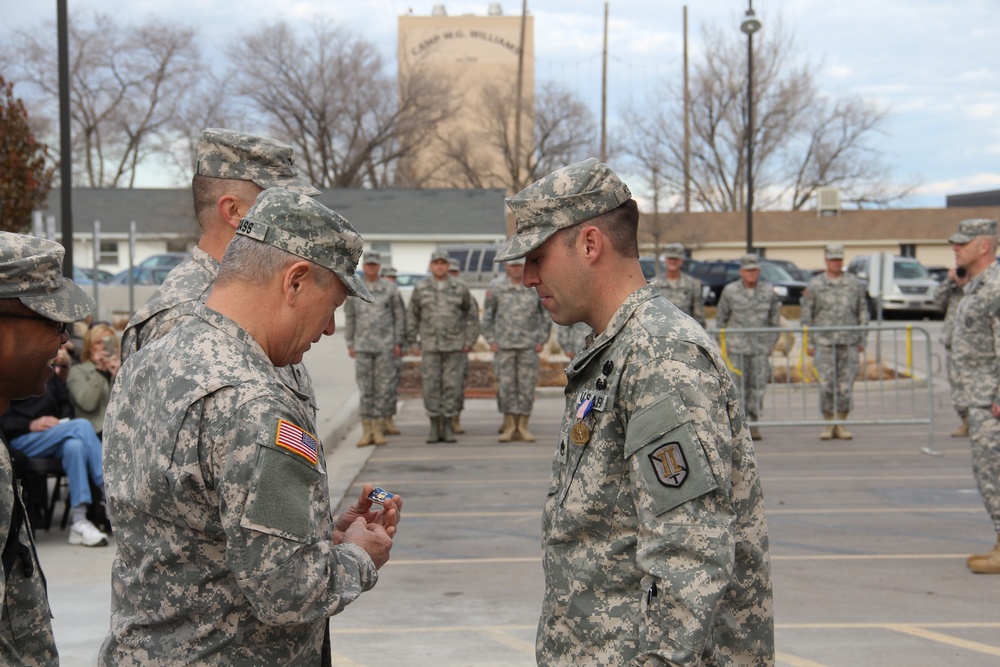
(976, 350)
(442, 321)
(218, 492)
(572, 338)
(373, 330)
(654, 534)
(514, 320)
(742, 308)
(835, 303)
(947, 297)
(685, 293)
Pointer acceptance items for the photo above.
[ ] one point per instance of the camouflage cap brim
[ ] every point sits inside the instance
(521, 244)
(68, 304)
(959, 238)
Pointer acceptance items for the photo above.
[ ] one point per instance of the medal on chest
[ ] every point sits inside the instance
(580, 433)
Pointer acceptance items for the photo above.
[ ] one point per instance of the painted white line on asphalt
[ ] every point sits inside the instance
(917, 631)
(794, 661)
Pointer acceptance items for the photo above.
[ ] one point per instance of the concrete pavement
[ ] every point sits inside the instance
(868, 541)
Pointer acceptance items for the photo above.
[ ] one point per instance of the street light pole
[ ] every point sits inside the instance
(750, 25)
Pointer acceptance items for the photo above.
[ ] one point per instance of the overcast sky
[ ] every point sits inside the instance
(934, 65)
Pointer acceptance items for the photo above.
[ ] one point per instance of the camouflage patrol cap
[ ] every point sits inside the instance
(673, 251)
(299, 224)
(750, 261)
(388, 272)
(373, 257)
(245, 157)
(834, 251)
(440, 254)
(453, 265)
(970, 229)
(31, 271)
(566, 197)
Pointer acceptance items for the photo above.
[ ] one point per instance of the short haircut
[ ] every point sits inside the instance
(207, 190)
(620, 225)
(251, 261)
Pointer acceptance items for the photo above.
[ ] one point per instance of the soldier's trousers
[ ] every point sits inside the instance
(376, 376)
(397, 364)
(957, 388)
(755, 373)
(837, 366)
(465, 374)
(517, 374)
(984, 434)
(443, 380)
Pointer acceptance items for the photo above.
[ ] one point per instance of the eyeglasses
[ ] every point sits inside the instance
(60, 326)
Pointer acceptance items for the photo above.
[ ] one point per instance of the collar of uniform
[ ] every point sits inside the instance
(228, 326)
(207, 261)
(616, 324)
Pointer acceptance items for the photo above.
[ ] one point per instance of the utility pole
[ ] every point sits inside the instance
(687, 122)
(604, 91)
(517, 110)
(65, 148)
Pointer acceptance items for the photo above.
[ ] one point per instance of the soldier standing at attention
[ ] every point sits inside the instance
(976, 349)
(36, 305)
(373, 331)
(682, 290)
(653, 533)
(455, 273)
(835, 299)
(217, 483)
(750, 303)
(390, 428)
(947, 296)
(232, 169)
(516, 326)
(442, 325)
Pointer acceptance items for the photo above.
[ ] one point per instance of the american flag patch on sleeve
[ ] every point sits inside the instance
(297, 441)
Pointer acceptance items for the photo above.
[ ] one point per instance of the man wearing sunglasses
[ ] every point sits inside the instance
(36, 304)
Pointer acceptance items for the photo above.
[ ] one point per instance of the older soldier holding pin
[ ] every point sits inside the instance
(654, 537)
(216, 478)
(516, 327)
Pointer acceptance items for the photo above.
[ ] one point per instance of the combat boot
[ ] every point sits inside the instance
(508, 428)
(827, 433)
(840, 431)
(963, 430)
(389, 427)
(456, 424)
(522, 427)
(987, 563)
(435, 434)
(755, 433)
(366, 433)
(447, 432)
(378, 437)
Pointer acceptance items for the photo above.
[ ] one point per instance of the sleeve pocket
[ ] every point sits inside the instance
(668, 459)
(281, 500)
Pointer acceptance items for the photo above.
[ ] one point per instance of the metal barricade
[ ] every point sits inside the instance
(892, 385)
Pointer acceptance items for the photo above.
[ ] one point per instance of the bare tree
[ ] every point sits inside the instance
(127, 85)
(327, 93)
(802, 139)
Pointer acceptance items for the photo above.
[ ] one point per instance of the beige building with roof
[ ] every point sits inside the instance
(479, 55)
(799, 236)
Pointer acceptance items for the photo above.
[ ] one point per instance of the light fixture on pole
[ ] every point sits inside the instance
(750, 25)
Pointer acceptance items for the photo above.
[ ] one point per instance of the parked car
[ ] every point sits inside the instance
(475, 261)
(939, 273)
(716, 274)
(794, 271)
(86, 276)
(142, 275)
(912, 289)
(409, 279)
(167, 259)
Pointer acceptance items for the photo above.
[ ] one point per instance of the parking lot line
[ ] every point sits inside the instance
(923, 633)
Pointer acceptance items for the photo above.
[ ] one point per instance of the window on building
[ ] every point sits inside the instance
(383, 248)
(908, 249)
(109, 252)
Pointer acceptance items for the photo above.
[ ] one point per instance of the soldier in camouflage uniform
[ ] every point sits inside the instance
(572, 338)
(654, 537)
(216, 479)
(682, 290)
(455, 272)
(389, 273)
(975, 346)
(442, 325)
(516, 327)
(750, 303)
(835, 299)
(373, 332)
(947, 296)
(36, 304)
(232, 169)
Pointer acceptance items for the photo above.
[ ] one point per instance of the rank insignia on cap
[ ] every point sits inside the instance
(670, 465)
(297, 441)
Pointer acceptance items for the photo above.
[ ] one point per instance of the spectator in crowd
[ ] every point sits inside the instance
(90, 381)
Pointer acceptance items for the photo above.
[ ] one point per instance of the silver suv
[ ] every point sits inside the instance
(912, 286)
